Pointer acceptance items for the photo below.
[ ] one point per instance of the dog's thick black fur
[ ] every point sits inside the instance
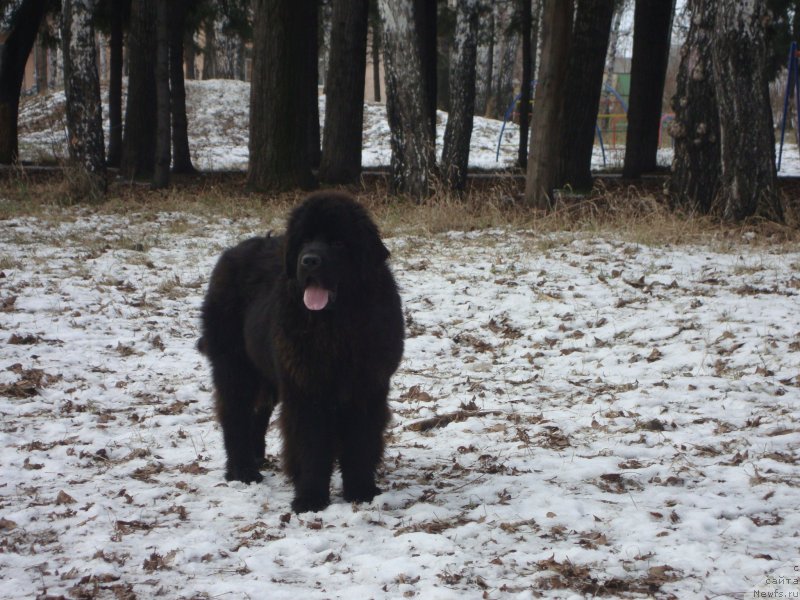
(312, 319)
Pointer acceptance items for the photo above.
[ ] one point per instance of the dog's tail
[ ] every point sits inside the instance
(202, 345)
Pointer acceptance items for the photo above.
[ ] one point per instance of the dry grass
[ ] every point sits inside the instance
(636, 213)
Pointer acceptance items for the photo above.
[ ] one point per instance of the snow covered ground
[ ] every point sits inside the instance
(218, 113)
(575, 415)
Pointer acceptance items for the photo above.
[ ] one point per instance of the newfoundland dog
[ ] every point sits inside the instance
(312, 319)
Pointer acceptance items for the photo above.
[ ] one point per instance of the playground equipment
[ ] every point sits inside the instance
(792, 82)
(613, 118)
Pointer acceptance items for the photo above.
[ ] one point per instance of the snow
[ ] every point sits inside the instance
(575, 415)
(218, 113)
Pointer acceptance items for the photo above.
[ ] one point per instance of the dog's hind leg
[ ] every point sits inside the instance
(265, 403)
(237, 388)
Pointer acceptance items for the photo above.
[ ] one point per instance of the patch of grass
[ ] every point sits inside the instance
(638, 214)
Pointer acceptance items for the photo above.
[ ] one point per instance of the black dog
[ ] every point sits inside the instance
(312, 319)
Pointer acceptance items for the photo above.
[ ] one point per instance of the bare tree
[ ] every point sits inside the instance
(117, 14)
(163, 156)
(696, 164)
(139, 138)
(651, 43)
(82, 87)
(590, 36)
(344, 113)
(457, 134)
(531, 12)
(181, 158)
(739, 53)
(279, 94)
(413, 159)
(547, 138)
(24, 17)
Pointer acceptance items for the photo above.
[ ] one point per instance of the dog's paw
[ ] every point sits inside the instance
(310, 503)
(247, 474)
(361, 494)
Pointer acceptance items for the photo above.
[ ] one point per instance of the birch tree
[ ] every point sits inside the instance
(413, 159)
(696, 164)
(82, 88)
(739, 53)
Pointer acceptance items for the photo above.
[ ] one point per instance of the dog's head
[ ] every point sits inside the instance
(332, 246)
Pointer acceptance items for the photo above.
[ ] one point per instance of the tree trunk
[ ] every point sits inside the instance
(82, 88)
(651, 43)
(312, 93)
(506, 48)
(547, 131)
(163, 113)
(696, 164)
(485, 61)
(739, 53)
(376, 58)
(189, 55)
(457, 133)
(413, 159)
(584, 87)
(181, 157)
(41, 62)
(344, 112)
(139, 139)
(426, 26)
(528, 58)
(210, 50)
(279, 103)
(15, 52)
(115, 90)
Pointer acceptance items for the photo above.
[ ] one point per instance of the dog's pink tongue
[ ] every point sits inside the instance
(315, 298)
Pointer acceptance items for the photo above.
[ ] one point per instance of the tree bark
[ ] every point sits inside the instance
(547, 137)
(739, 53)
(279, 103)
(189, 55)
(115, 90)
(15, 52)
(457, 133)
(651, 43)
(426, 26)
(344, 112)
(413, 159)
(528, 58)
(82, 87)
(696, 164)
(41, 61)
(163, 112)
(181, 157)
(506, 46)
(375, 27)
(584, 86)
(139, 138)
(312, 94)
(210, 50)
(485, 61)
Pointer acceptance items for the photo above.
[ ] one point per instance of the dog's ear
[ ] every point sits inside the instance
(374, 251)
